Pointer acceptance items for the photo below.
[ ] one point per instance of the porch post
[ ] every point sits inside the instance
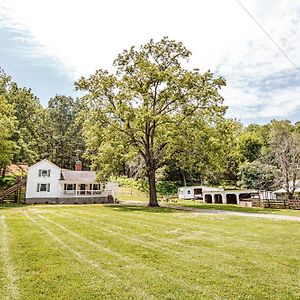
(212, 198)
(237, 198)
(224, 198)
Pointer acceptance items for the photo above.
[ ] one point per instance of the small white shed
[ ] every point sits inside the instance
(196, 192)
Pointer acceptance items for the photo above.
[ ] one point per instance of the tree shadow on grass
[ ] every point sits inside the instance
(9, 205)
(231, 207)
(140, 208)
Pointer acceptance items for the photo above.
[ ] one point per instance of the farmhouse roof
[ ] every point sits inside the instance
(37, 163)
(78, 176)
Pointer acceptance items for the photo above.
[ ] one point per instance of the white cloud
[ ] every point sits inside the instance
(85, 35)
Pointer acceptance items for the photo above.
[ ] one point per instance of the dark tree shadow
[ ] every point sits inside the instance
(11, 205)
(140, 208)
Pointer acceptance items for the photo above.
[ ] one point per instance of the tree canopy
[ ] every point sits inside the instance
(148, 101)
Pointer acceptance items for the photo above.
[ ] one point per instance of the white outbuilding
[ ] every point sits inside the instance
(196, 192)
(210, 194)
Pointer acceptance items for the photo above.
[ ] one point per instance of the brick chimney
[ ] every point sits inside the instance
(78, 165)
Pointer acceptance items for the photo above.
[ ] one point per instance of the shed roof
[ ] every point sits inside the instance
(297, 188)
(79, 176)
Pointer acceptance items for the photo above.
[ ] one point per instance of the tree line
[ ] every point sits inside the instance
(150, 117)
(29, 132)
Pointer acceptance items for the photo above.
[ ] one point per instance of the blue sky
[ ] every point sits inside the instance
(40, 73)
(47, 45)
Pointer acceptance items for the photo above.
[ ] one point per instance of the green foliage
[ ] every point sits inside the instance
(146, 105)
(140, 184)
(63, 132)
(285, 147)
(257, 175)
(164, 188)
(249, 146)
(26, 134)
(7, 181)
(167, 188)
(23, 110)
(7, 124)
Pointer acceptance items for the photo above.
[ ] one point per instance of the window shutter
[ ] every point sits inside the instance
(38, 187)
(48, 187)
(48, 173)
(40, 172)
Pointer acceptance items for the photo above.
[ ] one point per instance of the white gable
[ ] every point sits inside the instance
(43, 180)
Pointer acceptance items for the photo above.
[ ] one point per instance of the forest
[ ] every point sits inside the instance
(151, 120)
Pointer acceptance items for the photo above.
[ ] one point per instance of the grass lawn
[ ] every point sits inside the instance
(133, 252)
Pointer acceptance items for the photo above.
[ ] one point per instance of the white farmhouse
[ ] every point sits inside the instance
(48, 183)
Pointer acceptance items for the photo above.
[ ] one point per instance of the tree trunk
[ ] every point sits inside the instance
(152, 189)
(183, 177)
(3, 171)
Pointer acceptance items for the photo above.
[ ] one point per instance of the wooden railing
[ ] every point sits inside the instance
(13, 189)
(79, 193)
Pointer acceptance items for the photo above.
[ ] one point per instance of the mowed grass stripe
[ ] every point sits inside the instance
(137, 293)
(226, 270)
(190, 221)
(247, 260)
(12, 287)
(164, 277)
(172, 234)
(244, 253)
(149, 241)
(44, 267)
(52, 272)
(172, 252)
(134, 258)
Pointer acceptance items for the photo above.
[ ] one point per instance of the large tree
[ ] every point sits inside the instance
(285, 147)
(28, 111)
(204, 145)
(62, 131)
(146, 102)
(7, 124)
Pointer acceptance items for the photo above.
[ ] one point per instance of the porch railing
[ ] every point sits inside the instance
(85, 193)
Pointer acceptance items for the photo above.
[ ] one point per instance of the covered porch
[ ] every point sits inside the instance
(75, 189)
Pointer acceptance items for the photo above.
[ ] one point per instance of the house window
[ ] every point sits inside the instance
(69, 187)
(43, 187)
(96, 187)
(44, 173)
(189, 192)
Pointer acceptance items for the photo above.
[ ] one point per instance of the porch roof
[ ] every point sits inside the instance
(78, 176)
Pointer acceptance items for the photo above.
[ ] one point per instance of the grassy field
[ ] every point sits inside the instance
(133, 252)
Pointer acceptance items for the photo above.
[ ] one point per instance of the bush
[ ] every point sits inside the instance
(164, 188)
(257, 175)
(7, 181)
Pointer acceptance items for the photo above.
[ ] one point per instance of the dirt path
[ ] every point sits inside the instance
(234, 213)
(221, 212)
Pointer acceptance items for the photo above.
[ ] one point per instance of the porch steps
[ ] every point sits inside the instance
(12, 194)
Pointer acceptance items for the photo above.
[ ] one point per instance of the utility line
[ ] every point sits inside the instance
(267, 34)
